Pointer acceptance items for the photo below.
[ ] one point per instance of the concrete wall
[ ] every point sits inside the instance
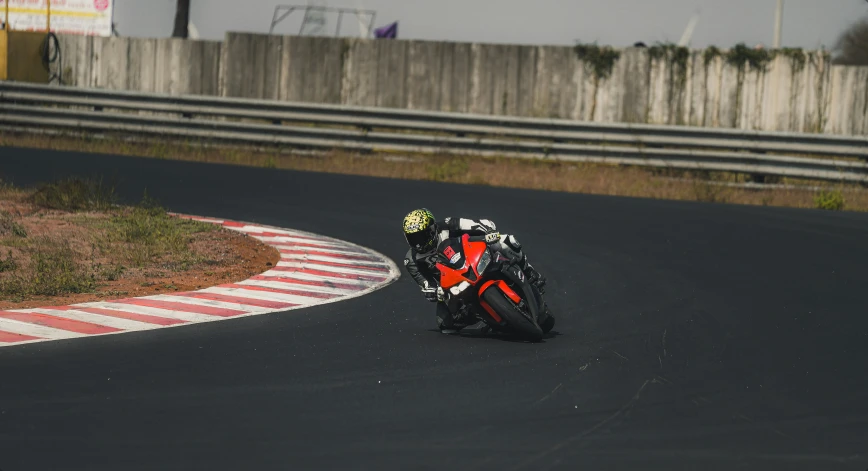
(537, 81)
(174, 66)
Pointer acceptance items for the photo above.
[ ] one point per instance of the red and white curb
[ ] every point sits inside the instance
(313, 269)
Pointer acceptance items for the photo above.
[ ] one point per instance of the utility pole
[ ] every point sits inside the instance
(182, 19)
(779, 24)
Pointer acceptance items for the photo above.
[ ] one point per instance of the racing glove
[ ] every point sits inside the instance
(430, 292)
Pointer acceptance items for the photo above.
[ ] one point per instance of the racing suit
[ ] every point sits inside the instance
(422, 265)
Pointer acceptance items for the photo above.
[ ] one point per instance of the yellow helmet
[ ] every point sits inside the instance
(420, 229)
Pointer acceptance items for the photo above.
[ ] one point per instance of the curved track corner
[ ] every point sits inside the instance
(313, 269)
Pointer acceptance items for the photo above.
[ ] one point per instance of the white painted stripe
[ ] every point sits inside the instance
(288, 233)
(287, 239)
(334, 250)
(263, 295)
(34, 330)
(203, 219)
(318, 278)
(108, 321)
(207, 302)
(313, 289)
(152, 311)
(322, 258)
(312, 264)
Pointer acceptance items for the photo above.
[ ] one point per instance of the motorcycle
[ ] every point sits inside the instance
(480, 281)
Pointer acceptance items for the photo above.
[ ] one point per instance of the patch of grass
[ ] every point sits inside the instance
(448, 170)
(829, 200)
(16, 242)
(56, 270)
(111, 273)
(149, 232)
(709, 192)
(8, 264)
(75, 194)
(8, 226)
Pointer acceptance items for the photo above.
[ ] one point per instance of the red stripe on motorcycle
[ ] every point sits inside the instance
(509, 292)
(491, 312)
(503, 287)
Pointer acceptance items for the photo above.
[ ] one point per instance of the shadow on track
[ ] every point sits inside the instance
(504, 337)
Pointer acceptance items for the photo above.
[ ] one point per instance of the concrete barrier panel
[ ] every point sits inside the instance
(237, 64)
(557, 86)
(208, 66)
(392, 73)
(526, 72)
(359, 76)
(461, 79)
(424, 75)
(142, 65)
(115, 55)
(635, 67)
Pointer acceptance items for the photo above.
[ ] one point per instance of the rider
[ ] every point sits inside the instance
(424, 234)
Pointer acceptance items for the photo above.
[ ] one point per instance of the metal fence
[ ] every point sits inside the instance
(306, 125)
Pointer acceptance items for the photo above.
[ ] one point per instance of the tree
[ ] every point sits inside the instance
(852, 45)
(182, 19)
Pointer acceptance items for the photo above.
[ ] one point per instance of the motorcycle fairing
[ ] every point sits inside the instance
(453, 273)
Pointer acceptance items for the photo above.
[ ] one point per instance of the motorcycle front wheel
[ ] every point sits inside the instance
(509, 311)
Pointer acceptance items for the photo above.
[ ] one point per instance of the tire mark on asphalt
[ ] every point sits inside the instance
(549, 395)
(625, 408)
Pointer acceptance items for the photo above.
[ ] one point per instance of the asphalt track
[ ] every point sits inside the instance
(690, 336)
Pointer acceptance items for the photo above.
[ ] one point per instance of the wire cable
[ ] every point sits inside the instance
(50, 55)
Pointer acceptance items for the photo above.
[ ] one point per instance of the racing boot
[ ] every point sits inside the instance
(534, 277)
(511, 244)
(447, 322)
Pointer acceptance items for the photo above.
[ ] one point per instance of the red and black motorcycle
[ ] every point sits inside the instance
(479, 280)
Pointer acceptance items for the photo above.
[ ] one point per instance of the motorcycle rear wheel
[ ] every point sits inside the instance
(514, 318)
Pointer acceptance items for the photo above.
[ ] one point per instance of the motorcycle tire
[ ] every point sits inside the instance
(516, 321)
(548, 324)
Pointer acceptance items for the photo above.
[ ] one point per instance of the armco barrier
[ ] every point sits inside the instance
(50, 108)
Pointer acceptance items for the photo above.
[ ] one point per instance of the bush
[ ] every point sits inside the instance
(75, 194)
(829, 201)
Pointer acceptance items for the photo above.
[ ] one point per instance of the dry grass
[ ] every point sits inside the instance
(66, 242)
(502, 172)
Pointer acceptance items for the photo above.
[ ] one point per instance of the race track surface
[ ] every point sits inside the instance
(689, 336)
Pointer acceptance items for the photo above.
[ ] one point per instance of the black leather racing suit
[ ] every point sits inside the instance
(422, 266)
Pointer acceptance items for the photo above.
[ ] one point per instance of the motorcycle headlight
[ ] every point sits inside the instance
(484, 260)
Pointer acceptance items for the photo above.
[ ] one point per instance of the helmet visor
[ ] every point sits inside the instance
(422, 240)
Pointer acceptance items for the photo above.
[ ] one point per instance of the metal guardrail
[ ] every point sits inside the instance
(61, 109)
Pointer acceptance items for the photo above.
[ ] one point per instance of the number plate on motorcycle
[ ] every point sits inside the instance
(492, 237)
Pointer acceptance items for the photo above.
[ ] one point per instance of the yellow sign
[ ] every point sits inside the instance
(88, 17)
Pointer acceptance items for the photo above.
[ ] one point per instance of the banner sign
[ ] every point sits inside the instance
(88, 17)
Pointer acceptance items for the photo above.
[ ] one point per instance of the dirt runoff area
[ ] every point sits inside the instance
(68, 242)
